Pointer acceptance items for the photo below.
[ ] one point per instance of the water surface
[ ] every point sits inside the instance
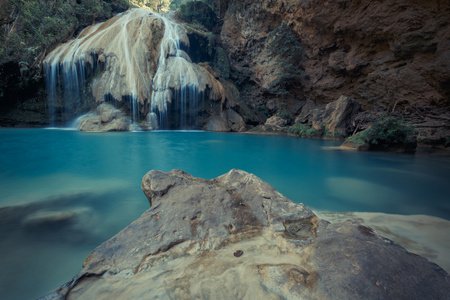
(98, 177)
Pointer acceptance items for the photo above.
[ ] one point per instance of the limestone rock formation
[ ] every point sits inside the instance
(236, 237)
(106, 118)
(137, 61)
(124, 47)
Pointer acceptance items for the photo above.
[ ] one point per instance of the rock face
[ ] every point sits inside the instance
(107, 118)
(388, 56)
(339, 113)
(236, 237)
(228, 120)
(276, 121)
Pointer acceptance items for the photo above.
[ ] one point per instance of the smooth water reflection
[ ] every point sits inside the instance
(98, 177)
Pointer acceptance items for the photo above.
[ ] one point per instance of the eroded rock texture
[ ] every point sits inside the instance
(236, 237)
(391, 56)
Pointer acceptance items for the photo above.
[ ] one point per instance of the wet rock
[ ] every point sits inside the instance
(107, 118)
(217, 124)
(235, 121)
(234, 237)
(41, 219)
(228, 120)
(420, 234)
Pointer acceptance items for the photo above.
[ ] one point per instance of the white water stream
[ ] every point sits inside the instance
(121, 61)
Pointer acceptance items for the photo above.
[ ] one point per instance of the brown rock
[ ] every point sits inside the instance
(338, 114)
(218, 124)
(378, 53)
(276, 121)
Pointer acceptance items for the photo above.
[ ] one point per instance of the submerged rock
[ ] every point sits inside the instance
(236, 237)
(107, 118)
(420, 234)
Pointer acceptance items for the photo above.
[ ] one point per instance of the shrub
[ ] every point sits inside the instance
(387, 131)
(305, 130)
(285, 114)
(39, 25)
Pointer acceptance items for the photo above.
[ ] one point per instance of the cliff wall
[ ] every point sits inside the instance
(391, 56)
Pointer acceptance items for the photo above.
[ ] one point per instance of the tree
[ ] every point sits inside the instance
(158, 5)
(175, 4)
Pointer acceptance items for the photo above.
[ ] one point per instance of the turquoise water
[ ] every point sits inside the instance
(98, 176)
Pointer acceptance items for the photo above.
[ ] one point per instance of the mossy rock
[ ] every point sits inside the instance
(197, 12)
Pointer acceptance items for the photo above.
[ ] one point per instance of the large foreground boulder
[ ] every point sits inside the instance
(236, 237)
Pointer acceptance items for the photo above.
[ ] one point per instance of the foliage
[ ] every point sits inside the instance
(197, 12)
(387, 131)
(285, 114)
(158, 5)
(305, 130)
(284, 46)
(264, 109)
(176, 4)
(31, 28)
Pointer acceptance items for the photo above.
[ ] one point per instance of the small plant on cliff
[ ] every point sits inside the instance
(285, 114)
(285, 47)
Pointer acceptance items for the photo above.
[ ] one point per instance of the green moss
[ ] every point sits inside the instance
(285, 114)
(264, 109)
(221, 63)
(305, 130)
(358, 139)
(199, 13)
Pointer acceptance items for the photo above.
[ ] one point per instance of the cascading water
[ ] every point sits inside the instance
(175, 85)
(118, 62)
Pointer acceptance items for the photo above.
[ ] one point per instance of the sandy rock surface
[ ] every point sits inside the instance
(236, 237)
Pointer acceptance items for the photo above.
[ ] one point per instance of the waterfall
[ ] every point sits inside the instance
(128, 62)
(176, 86)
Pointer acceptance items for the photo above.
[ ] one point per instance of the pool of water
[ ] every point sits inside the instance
(98, 177)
